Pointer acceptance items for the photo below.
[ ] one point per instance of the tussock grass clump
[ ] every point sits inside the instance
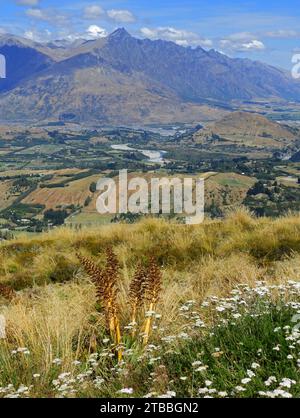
(45, 258)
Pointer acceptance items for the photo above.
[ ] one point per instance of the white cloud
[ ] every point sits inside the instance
(37, 14)
(93, 12)
(66, 34)
(29, 34)
(48, 15)
(283, 34)
(38, 36)
(254, 44)
(241, 36)
(95, 31)
(28, 2)
(242, 41)
(121, 16)
(180, 37)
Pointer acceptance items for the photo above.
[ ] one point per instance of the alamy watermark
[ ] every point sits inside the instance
(296, 67)
(158, 196)
(2, 66)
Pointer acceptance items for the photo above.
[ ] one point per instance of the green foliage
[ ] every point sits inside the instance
(21, 210)
(63, 271)
(268, 198)
(56, 217)
(93, 187)
(250, 339)
(87, 201)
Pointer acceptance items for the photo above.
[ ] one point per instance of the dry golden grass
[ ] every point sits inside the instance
(240, 237)
(51, 322)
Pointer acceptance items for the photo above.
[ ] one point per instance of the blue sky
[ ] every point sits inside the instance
(265, 30)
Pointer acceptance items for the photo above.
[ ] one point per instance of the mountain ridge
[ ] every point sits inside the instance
(127, 75)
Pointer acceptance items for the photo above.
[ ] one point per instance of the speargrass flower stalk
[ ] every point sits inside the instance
(137, 294)
(152, 292)
(145, 287)
(107, 290)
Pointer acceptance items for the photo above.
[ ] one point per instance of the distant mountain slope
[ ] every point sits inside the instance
(121, 79)
(99, 95)
(23, 60)
(249, 129)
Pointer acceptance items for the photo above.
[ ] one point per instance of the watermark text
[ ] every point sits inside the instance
(156, 196)
(296, 67)
(2, 66)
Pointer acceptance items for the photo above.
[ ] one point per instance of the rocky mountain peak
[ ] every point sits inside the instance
(120, 33)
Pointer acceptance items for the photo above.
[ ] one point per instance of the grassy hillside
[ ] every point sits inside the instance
(56, 343)
(246, 129)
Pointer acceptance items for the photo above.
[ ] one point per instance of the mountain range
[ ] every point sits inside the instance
(124, 80)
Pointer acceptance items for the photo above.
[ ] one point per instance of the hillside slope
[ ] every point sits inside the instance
(124, 80)
(23, 60)
(250, 129)
(99, 95)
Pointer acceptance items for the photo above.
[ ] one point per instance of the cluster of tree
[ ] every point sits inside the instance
(93, 187)
(264, 188)
(87, 201)
(22, 182)
(56, 217)
(272, 199)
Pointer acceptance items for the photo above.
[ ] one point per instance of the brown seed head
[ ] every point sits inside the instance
(154, 281)
(137, 286)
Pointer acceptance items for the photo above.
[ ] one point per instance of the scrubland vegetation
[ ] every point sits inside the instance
(224, 324)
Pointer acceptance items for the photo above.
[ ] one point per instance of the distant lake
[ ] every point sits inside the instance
(153, 156)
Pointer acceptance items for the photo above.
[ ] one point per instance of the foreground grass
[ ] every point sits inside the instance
(248, 347)
(206, 340)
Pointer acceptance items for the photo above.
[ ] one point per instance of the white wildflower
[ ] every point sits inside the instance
(128, 391)
(255, 366)
(270, 380)
(287, 383)
(240, 389)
